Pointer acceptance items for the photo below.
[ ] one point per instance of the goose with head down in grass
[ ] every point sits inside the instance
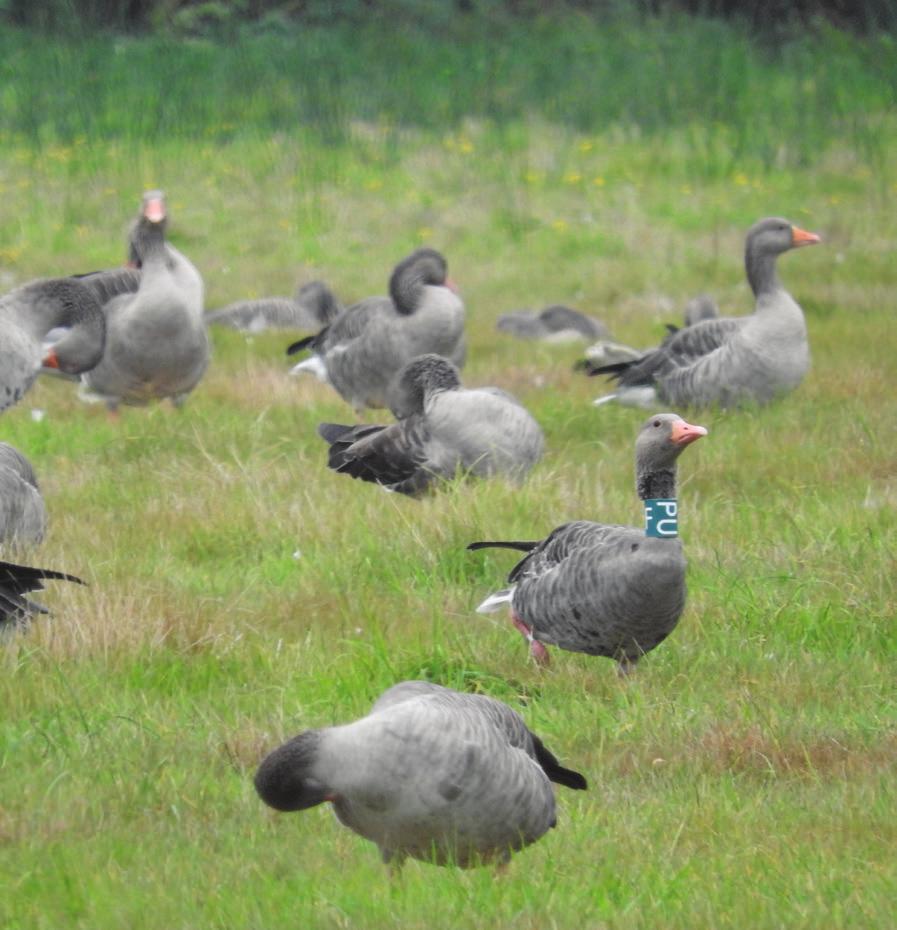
(430, 773)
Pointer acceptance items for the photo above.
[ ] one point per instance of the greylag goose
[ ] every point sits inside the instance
(430, 773)
(363, 349)
(57, 324)
(442, 428)
(556, 323)
(313, 306)
(600, 588)
(156, 344)
(15, 582)
(729, 361)
(23, 515)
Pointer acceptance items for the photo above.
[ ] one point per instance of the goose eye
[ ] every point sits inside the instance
(657, 422)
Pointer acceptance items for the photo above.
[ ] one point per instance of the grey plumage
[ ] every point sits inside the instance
(23, 514)
(156, 345)
(429, 773)
(442, 429)
(728, 362)
(15, 582)
(556, 323)
(364, 347)
(313, 306)
(63, 310)
(605, 589)
(699, 308)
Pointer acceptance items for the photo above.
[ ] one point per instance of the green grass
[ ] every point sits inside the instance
(744, 778)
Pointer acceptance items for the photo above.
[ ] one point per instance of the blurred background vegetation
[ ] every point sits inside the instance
(772, 17)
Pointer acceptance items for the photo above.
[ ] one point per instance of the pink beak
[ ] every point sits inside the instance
(682, 433)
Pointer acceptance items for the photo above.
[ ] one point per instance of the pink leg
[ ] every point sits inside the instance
(536, 649)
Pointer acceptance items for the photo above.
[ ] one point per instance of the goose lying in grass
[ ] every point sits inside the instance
(313, 306)
(363, 349)
(728, 361)
(604, 589)
(56, 325)
(556, 323)
(15, 582)
(23, 514)
(157, 345)
(430, 773)
(442, 429)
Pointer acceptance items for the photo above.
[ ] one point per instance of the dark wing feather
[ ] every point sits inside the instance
(18, 580)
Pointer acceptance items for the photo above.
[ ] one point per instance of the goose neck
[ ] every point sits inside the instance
(761, 272)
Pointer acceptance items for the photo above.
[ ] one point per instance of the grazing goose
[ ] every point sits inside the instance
(729, 361)
(313, 306)
(556, 323)
(430, 773)
(15, 582)
(363, 349)
(442, 428)
(55, 323)
(600, 588)
(23, 515)
(156, 343)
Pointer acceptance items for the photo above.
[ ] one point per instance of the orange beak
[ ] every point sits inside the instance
(51, 360)
(801, 237)
(682, 433)
(154, 210)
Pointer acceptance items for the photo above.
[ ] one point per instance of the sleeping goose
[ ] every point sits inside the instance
(313, 306)
(600, 588)
(556, 323)
(15, 582)
(431, 773)
(23, 515)
(363, 349)
(442, 428)
(156, 344)
(55, 323)
(729, 361)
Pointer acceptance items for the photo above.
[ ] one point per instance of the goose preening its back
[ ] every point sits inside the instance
(729, 361)
(15, 582)
(156, 344)
(364, 347)
(430, 773)
(56, 324)
(442, 428)
(556, 323)
(313, 306)
(23, 514)
(605, 589)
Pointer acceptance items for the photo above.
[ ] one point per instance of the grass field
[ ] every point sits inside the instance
(239, 592)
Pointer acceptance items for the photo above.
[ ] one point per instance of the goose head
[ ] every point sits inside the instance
(79, 334)
(149, 226)
(421, 377)
(285, 780)
(774, 235)
(421, 268)
(659, 444)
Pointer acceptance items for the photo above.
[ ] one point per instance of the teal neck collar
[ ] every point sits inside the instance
(662, 517)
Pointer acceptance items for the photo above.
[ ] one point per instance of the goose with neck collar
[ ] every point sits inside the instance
(729, 361)
(606, 589)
